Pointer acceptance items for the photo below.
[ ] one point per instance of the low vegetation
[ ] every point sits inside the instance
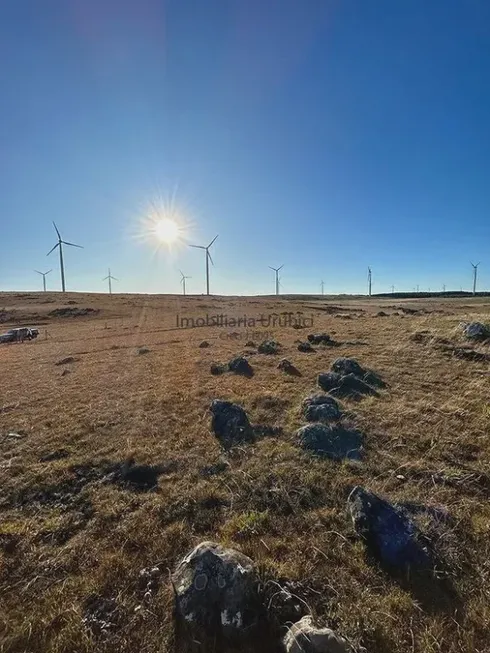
(111, 473)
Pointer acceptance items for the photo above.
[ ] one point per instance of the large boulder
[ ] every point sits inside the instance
(344, 386)
(348, 366)
(334, 441)
(230, 423)
(216, 593)
(476, 331)
(320, 408)
(387, 531)
(304, 637)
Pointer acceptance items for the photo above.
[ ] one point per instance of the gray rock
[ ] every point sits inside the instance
(387, 531)
(216, 593)
(304, 637)
(334, 442)
(320, 408)
(268, 347)
(143, 350)
(344, 386)
(230, 423)
(320, 339)
(305, 347)
(476, 331)
(204, 344)
(240, 365)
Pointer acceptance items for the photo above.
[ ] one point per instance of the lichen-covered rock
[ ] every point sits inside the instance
(387, 531)
(230, 423)
(476, 331)
(216, 593)
(334, 442)
(268, 347)
(304, 637)
(320, 408)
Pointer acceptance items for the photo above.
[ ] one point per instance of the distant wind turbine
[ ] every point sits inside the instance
(208, 258)
(370, 281)
(276, 270)
(322, 285)
(60, 244)
(475, 273)
(43, 274)
(182, 281)
(110, 278)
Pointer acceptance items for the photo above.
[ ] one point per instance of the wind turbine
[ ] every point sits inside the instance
(475, 273)
(322, 284)
(276, 270)
(110, 278)
(370, 281)
(43, 274)
(182, 281)
(208, 258)
(60, 244)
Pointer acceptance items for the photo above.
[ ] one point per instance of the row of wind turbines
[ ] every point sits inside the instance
(208, 258)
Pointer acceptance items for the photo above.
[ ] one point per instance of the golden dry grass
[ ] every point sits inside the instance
(67, 538)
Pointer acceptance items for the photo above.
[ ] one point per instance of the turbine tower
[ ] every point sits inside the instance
(208, 258)
(276, 270)
(475, 273)
(322, 285)
(60, 244)
(110, 278)
(43, 274)
(182, 281)
(370, 281)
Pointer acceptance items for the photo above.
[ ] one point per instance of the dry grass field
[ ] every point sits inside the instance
(134, 385)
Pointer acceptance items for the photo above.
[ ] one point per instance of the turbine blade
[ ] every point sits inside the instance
(52, 249)
(71, 244)
(38, 272)
(210, 258)
(280, 267)
(59, 235)
(197, 246)
(271, 268)
(105, 278)
(48, 271)
(114, 278)
(213, 240)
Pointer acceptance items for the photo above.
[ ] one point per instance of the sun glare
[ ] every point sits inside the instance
(167, 230)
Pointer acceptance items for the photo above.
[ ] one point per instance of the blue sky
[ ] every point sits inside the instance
(325, 135)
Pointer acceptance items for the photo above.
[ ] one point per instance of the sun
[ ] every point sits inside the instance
(167, 230)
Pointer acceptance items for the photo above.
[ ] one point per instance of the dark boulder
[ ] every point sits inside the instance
(216, 594)
(320, 339)
(334, 442)
(348, 366)
(320, 408)
(348, 386)
(230, 423)
(305, 347)
(240, 365)
(387, 531)
(286, 366)
(216, 369)
(268, 347)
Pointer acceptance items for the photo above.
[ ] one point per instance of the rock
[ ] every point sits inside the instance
(65, 372)
(304, 637)
(381, 314)
(320, 408)
(348, 366)
(286, 366)
(320, 339)
(204, 344)
(216, 369)
(230, 423)
(305, 347)
(476, 331)
(344, 386)
(387, 531)
(470, 355)
(334, 442)
(216, 594)
(240, 365)
(268, 347)
(143, 350)
(250, 343)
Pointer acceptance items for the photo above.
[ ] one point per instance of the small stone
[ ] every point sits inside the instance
(143, 350)
(286, 366)
(204, 344)
(216, 369)
(250, 343)
(268, 347)
(305, 347)
(320, 339)
(304, 637)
